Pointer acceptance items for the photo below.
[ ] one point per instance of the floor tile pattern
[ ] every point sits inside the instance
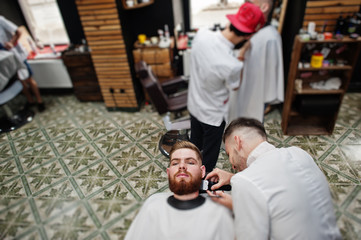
(78, 171)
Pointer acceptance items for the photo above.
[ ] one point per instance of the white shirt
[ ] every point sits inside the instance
(282, 194)
(9, 66)
(157, 220)
(214, 71)
(262, 80)
(7, 29)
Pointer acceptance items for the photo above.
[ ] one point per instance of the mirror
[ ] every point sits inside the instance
(278, 15)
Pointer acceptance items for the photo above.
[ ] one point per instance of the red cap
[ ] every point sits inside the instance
(249, 18)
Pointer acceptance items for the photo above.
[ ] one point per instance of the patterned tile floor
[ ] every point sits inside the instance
(78, 171)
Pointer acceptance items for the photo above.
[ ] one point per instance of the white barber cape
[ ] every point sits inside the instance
(157, 220)
(262, 80)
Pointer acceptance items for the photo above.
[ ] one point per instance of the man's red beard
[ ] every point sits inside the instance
(182, 186)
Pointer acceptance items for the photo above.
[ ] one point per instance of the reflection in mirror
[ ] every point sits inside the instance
(211, 13)
(208, 13)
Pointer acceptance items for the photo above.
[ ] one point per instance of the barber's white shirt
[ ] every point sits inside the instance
(282, 194)
(214, 71)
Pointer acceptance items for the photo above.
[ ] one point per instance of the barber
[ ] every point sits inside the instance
(278, 193)
(214, 72)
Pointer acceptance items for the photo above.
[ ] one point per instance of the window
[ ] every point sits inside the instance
(44, 20)
(207, 13)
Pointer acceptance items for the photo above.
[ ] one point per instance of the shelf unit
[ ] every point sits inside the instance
(309, 111)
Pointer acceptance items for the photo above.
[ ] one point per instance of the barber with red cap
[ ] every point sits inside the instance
(214, 72)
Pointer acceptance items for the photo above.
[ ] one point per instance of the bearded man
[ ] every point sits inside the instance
(184, 213)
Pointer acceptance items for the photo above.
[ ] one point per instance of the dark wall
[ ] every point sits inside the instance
(71, 20)
(291, 25)
(11, 10)
(355, 83)
(145, 20)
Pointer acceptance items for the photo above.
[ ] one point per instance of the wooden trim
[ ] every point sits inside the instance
(88, 2)
(101, 22)
(338, 10)
(282, 15)
(97, 17)
(97, 6)
(332, 3)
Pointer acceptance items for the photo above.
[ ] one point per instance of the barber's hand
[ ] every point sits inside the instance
(222, 198)
(8, 45)
(243, 50)
(219, 176)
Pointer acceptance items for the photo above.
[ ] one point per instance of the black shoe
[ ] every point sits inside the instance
(41, 107)
(29, 105)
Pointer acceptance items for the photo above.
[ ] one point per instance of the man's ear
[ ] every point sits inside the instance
(238, 142)
(168, 172)
(264, 7)
(203, 169)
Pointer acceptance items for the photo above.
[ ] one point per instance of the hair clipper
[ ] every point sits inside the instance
(207, 185)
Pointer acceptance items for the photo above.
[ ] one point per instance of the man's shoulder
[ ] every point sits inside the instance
(209, 203)
(267, 33)
(156, 198)
(159, 195)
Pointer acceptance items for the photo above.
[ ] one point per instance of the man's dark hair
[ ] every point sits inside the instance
(237, 32)
(244, 122)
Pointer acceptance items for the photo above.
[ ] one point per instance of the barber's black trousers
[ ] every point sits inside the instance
(208, 139)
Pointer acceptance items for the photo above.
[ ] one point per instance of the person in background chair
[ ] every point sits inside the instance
(9, 36)
(214, 72)
(278, 193)
(183, 214)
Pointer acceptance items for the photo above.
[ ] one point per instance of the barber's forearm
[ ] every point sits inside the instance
(14, 40)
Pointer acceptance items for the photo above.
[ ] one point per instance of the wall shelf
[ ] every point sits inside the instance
(135, 4)
(345, 67)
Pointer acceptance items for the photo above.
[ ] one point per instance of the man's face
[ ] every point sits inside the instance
(236, 154)
(185, 172)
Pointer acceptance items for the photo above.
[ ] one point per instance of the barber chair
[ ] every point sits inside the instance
(167, 100)
(11, 121)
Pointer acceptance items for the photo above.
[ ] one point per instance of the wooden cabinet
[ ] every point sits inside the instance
(312, 111)
(160, 59)
(81, 70)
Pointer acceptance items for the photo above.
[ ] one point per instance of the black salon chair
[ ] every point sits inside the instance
(167, 97)
(11, 121)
